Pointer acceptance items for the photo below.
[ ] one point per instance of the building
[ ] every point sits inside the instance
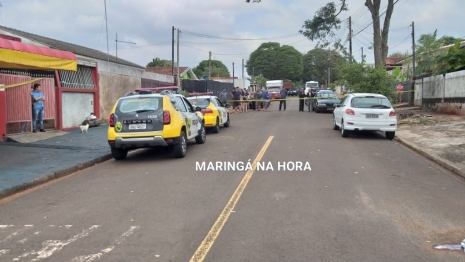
(99, 80)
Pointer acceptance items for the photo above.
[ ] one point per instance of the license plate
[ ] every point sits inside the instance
(137, 126)
(372, 116)
(330, 108)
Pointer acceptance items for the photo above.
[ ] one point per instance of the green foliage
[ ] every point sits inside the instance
(157, 62)
(359, 78)
(316, 63)
(397, 73)
(184, 93)
(260, 80)
(217, 69)
(324, 24)
(275, 62)
(453, 61)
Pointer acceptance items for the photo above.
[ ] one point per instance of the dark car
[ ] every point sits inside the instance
(324, 100)
(292, 92)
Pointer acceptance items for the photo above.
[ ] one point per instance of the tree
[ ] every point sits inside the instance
(157, 62)
(452, 61)
(316, 63)
(275, 62)
(217, 68)
(325, 22)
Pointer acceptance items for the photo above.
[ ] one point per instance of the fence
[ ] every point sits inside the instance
(200, 86)
(443, 93)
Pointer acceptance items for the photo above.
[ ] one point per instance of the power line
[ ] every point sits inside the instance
(239, 39)
(409, 36)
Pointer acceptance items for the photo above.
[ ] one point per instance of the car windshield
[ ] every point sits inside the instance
(370, 102)
(326, 94)
(139, 105)
(312, 85)
(273, 90)
(199, 101)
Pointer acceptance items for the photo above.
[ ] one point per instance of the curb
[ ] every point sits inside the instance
(431, 157)
(52, 176)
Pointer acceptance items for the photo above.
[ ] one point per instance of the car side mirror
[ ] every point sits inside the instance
(198, 109)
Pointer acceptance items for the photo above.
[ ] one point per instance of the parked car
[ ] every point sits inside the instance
(324, 100)
(292, 92)
(364, 111)
(275, 93)
(152, 120)
(215, 113)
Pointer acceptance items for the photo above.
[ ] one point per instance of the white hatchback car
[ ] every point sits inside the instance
(364, 111)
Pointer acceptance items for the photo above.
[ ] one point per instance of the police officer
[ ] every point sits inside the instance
(301, 95)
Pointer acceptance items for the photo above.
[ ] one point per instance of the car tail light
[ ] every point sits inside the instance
(207, 111)
(166, 118)
(350, 111)
(112, 120)
(392, 113)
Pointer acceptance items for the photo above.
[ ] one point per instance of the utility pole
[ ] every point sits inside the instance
(172, 52)
(209, 64)
(413, 51)
(243, 79)
(329, 68)
(233, 74)
(350, 38)
(106, 25)
(177, 64)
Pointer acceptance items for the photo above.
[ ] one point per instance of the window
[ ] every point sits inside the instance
(326, 94)
(202, 102)
(179, 104)
(274, 89)
(370, 102)
(139, 104)
(189, 106)
(219, 102)
(343, 101)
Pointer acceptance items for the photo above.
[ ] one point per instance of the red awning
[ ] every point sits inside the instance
(17, 55)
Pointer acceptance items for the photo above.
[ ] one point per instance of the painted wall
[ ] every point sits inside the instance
(442, 93)
(112, 87)
(76, 107)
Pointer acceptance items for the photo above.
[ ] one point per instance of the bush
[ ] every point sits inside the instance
(362, 79)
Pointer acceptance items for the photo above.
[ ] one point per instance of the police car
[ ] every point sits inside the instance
(214, 111)
(152, 120)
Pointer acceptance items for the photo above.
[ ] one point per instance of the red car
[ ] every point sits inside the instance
(275, 93)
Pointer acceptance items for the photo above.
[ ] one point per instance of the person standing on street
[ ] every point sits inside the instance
(38, 108)
(224, 96)
(236, 96)
(400, 89)
(266, 98)
(301, 95)
(283, 95)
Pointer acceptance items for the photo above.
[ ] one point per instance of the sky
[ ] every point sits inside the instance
(230, 29)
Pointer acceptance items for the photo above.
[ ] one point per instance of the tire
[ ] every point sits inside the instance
(344, 132)
(180, 148)
(335, 126)
(228, 123)
(202, 137)
(316, 110)
(216, 129)
(119, 153)
(390, 135)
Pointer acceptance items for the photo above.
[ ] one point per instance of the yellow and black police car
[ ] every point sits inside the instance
(215, 114)
(149, 120)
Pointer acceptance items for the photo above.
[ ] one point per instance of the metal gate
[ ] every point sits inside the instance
(19, 106)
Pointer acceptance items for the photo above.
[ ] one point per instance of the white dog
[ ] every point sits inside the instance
(84, 128)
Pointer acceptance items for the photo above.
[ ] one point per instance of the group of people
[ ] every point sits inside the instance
(242, 100)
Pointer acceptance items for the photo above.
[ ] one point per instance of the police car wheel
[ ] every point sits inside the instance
(180, 148)
(216, 129)
(202, 137)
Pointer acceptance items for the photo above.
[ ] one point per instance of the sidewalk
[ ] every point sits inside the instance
(31, 159)
(439, 137)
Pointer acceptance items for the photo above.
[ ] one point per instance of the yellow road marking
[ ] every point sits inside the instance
(208, 241)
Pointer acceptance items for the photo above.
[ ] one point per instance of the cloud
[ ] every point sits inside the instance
(206, 25)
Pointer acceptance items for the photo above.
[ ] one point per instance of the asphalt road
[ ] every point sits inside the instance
(365, 199)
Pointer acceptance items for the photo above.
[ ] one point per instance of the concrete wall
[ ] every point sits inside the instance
(112, 87)
(76, 107)
(442, 93)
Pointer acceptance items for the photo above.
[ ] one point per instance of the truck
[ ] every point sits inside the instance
(274, 88)
(311, 85)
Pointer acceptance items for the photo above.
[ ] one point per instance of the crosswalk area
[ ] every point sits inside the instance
(67, 243)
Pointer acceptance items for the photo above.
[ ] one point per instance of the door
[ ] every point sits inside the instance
(222, 112)
(194, 121)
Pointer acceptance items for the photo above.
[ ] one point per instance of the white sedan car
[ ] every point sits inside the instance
(364, 111)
